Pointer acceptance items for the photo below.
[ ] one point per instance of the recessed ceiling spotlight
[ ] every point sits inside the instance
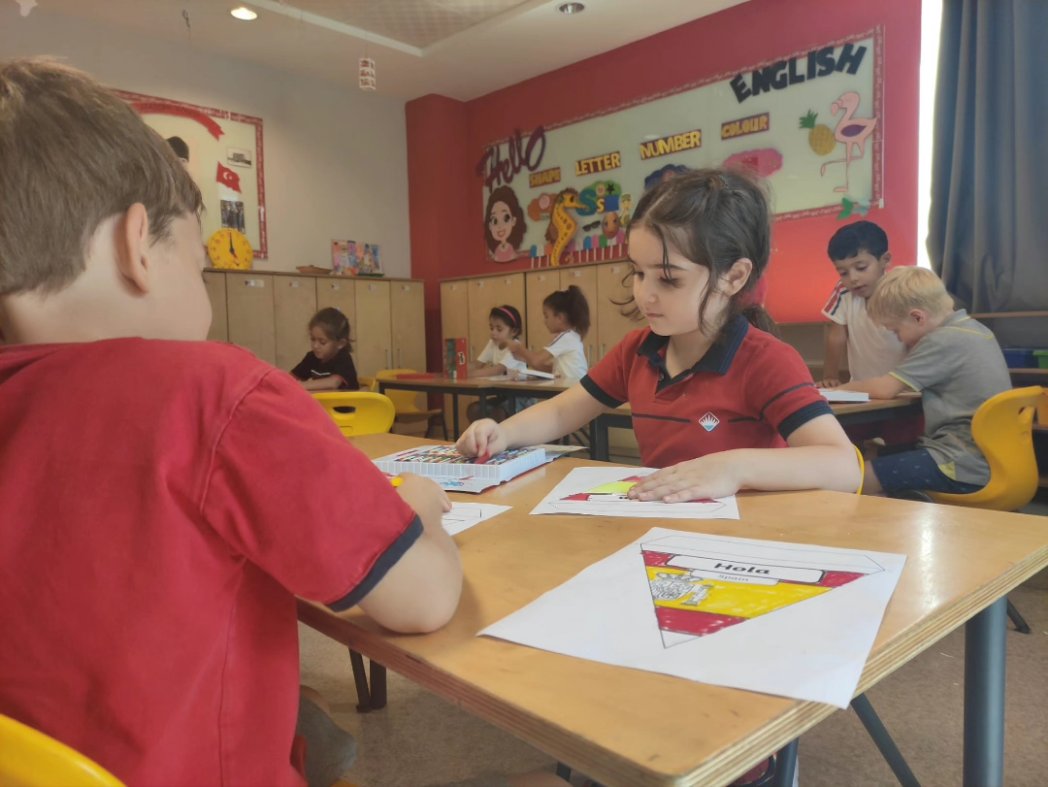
(243, 13)
(571, 8)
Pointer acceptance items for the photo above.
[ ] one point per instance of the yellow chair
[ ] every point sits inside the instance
(1002, 427)
(372, 413)
(406, 402)
(29, 758)
(367, 383)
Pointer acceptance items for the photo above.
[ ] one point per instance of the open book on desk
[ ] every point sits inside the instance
(457, 473)
(518, 375)
(839, 396)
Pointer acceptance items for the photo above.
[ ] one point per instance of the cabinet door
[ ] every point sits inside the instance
(586, 280)
(408, 320)
(508, 289)
(340, 294)
(249, 300)
(294, 304)
(375, 339)
(537, 285)
(484, 294)
(613, 325)
(454, 310)
(215, 283)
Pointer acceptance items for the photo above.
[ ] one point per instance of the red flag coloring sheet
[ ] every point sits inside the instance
(796, 620)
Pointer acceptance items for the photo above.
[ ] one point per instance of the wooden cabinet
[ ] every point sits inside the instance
(407, 308)
(339, 293)
(613, 286)
(249, 304)
(215, 284)
(375, 337)
(294, 304)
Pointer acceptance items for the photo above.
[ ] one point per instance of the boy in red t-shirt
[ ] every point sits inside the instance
(164, 498)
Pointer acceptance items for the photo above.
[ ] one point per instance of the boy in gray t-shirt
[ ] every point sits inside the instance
(954, 362)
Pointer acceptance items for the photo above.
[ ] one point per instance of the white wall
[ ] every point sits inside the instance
(335, 157)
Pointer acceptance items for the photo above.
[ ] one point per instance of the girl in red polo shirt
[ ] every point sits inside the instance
(710, 389)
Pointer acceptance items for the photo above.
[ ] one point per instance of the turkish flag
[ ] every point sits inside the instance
(228, 177)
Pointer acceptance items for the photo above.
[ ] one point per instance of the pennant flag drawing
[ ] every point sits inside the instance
(699, 587)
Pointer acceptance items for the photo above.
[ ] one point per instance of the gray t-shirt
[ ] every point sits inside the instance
(956, 368)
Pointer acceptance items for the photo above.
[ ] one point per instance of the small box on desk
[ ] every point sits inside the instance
(456, 362)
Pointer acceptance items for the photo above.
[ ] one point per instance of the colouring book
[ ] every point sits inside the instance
(601, 491)
(457, 473)
(795, 620)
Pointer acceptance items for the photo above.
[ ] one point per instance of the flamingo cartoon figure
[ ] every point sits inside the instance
(562, 223)
(851, 131)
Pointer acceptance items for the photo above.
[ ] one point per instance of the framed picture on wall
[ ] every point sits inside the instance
(210, 141)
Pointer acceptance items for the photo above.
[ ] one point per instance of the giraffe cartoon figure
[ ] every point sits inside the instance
(562, 225)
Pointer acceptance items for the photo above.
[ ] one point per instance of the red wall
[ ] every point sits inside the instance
(446, 194)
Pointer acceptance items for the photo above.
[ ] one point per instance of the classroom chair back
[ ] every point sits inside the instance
(1003, 429)
(29, 758)
(367, 383)
(407, 402)
(372, 413)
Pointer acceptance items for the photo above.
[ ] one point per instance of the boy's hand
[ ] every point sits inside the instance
(483, 438)
(424, 496)
(696, 479)
(830, 382)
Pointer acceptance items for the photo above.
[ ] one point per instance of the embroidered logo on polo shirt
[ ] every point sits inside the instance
(709, 422)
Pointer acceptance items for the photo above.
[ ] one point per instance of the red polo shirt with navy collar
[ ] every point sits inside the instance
(749, 390)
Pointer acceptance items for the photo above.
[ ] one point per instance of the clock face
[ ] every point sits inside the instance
(228, 248)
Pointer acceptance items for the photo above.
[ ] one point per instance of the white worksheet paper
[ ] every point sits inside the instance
(463, 516)
(804, 647)
(585, 491)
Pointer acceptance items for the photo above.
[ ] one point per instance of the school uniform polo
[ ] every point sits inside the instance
(154, 538)
(749, 390)
(340, 365)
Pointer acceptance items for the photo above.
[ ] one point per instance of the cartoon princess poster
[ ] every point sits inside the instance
(504, 225)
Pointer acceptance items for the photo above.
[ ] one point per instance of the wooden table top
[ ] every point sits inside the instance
(629, 727)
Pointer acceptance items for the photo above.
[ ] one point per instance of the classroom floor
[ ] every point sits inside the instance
(419, 739)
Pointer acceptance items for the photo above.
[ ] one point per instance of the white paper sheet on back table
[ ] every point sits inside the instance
(601, 491)
(790, 619)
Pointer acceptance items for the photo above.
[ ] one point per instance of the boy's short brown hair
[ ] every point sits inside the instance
(910, 287)
(72, 154)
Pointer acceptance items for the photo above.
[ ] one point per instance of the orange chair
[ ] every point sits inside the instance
(369, 413)
(406, 402)
(29, 758)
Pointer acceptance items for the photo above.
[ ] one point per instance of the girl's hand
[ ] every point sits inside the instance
(483, 438)
(830, 382)
(705, 477)
(424, 496)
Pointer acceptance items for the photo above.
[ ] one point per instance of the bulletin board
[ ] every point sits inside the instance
(225, 160)
(809, 123)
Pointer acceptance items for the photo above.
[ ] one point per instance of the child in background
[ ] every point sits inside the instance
(328, 366)
(709, 392)
(190, 513)
(567, 318)
(504, 325)
(955, 364)
(859, 252)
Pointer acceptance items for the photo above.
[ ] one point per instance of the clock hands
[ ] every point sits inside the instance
(231, 249)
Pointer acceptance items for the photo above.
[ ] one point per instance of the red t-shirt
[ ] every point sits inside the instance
(162, 502)
(750, 390)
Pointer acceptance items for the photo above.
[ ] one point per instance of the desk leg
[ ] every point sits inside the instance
(599, 446)
(483, 405)
(455, 414)
(786, 765)
(984, 649)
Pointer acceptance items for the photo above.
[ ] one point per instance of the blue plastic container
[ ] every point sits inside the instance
(1020, 357)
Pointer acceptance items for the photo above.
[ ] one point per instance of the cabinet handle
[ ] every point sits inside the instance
(602, 349)
(388, 362)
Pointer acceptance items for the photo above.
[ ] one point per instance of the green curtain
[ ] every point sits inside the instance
(988, 225)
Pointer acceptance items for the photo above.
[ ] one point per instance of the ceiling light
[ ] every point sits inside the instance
(244, 14)
(571, 8)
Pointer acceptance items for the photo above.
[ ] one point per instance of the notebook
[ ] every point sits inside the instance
(458, 473)
(535, 373)
(837, 395)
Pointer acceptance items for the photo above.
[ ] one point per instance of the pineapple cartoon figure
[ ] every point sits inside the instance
(820, 136)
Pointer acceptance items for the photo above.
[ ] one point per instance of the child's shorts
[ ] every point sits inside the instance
(916, 470)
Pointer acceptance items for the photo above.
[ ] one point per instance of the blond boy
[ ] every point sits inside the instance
(955, 363)
(164, 498)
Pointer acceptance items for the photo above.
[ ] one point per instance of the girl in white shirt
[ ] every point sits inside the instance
(504, 326)
(567, 317)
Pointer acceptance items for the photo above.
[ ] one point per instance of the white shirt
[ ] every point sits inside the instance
(493, 355)
(872, 350)
(569, 356)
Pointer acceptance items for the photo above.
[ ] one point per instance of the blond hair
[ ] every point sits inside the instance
(906, 288)
(72, 154)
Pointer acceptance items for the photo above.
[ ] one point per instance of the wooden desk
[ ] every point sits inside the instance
(848, 414)
(628, 727)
